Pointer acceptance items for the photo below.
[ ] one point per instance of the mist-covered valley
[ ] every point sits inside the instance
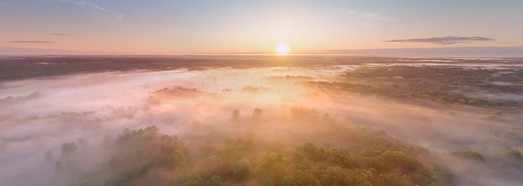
(421, 122)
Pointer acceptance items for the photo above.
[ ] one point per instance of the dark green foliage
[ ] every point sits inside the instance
(243, 170)
(470, 155)
(59, 166)
(257, 113)
(214, 181)
(187, 178)
(442, 84)
(235, 149)
(342, 167)
(136, 153)
(312, 165)
(145, 156)
(68, 149)
(235, 114)
(515, 154)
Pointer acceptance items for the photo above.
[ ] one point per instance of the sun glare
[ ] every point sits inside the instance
(283, 48)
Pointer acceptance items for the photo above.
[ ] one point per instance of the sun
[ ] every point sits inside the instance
(283, 48)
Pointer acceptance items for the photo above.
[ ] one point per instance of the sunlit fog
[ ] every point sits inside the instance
(60, 130)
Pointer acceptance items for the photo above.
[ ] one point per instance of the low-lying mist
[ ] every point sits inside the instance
(85, 125)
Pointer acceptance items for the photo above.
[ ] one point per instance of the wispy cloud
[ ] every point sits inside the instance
(85, 3)
(61, 34)
(31, 42)
(442, 40)
(341, 21)
(116, 15)
(341, 16)
(369, 16)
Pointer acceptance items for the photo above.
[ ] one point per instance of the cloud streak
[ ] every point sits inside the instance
(441, 40)
(341, 17)
(86, 4)
(31, 42)
(116, 15)
(61, 34)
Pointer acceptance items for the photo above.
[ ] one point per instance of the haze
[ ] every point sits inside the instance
(276, 93)
(216, 27)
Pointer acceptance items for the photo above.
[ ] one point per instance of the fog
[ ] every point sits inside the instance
(37, 116)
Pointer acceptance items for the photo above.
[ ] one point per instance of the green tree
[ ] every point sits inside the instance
(243, 170)
(68, 149)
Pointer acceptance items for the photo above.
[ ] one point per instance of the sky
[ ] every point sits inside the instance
(167, 27)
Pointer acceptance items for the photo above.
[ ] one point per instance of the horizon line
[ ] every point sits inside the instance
(496, 51)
